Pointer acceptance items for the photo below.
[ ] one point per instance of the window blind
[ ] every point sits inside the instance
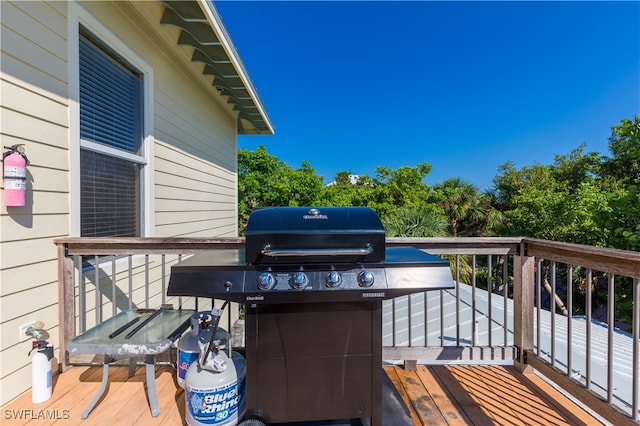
(110, 114)
(110, 100)
(109, 196)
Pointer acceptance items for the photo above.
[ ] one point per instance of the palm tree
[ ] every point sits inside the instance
(469, 211)
(415, 222)
(425, 222)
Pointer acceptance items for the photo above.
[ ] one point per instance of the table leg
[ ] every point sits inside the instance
(151, 385)
(103, 386)
(132, 366)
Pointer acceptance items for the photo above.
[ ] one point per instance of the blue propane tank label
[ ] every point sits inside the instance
(219, 406)
(184, 361)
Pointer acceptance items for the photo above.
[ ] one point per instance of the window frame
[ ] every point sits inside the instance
(79, 17)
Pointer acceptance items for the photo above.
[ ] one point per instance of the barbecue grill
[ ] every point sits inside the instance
(312, 281)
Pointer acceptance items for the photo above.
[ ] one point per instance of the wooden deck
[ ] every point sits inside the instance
(483, 395)
(451, 395)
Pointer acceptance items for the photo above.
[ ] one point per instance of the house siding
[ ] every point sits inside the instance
(193, 159)
(34, 111)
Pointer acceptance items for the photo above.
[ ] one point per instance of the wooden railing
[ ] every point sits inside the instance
(491, 317)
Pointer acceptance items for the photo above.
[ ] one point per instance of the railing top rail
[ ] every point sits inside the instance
(621, 262)
(149, 245)
(461, 245)
(162, 245)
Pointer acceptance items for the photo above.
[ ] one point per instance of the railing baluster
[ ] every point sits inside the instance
(441, 316)
(393, 322)
(409, 324)
(146, 281)
(473, 301)
(96, 277)
(180, 297)
(538, 303)
(610, 322)
(635, 323)
(588, 325)
(489, 304)
(505, 292)
(552, 309)
(114, 279)
(164, 282)
(569, 317)
(457, 300)
(82, 295)
(130, 269)
(426, 318)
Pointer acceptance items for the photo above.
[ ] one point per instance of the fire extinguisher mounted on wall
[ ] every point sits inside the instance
(15, 175)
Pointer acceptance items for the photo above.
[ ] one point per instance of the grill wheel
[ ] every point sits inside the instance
(252, 422)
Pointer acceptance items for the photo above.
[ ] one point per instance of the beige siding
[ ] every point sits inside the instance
(194, 132)
(194, 164)
(34, 112)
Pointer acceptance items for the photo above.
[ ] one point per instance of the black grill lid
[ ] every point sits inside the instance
(293, 235)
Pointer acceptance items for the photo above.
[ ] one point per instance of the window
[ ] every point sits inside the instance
(111, 142)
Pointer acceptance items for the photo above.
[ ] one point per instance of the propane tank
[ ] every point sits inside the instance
(41, 374)
(14, 173)
(215, 391)
(188, 348)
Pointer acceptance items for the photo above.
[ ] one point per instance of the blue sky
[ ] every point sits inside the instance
(463, 86)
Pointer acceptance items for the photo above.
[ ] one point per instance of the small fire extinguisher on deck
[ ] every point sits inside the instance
(15, 175)
(41, 373)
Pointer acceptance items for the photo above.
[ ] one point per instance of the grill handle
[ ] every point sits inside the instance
(268, 251)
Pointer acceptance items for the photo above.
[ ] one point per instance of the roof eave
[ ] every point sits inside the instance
(202, 28)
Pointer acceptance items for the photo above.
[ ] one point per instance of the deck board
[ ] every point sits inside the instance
(421, 401)
(501, 395)
(435, 388)
(397, 383)
(434, 395)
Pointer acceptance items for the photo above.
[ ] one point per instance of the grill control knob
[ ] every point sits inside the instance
(365, 279)
(333, 279)
(266, 281)
(299, 280)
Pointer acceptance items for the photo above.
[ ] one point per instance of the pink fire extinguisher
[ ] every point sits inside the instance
(15, 175)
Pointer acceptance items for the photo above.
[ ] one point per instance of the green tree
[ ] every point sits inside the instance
(549, 202)
(510, 182)
(622, 218)
(469, 211)
(343, 192)
(399, 188)
(559, 215)
(576, 168)
(624, 144)
(265, 180)
(425, 221)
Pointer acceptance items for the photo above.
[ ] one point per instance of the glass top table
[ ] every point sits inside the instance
(159, 330)
(132, 333)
